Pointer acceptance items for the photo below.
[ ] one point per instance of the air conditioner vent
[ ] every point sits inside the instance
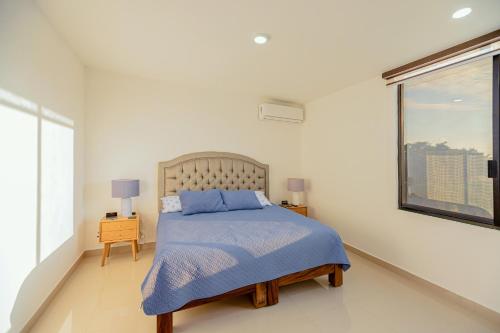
(281, 113)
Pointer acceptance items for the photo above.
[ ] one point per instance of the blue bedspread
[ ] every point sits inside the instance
(203, 255)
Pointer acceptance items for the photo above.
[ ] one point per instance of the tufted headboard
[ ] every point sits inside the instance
(208, 170)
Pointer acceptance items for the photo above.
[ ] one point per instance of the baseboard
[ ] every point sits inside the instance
(87, 253)
(27, 327)
(455, 298)
(119, 249)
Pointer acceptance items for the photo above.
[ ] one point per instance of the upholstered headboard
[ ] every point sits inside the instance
(208, 170)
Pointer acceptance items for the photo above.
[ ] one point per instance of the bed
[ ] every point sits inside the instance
(207, 257)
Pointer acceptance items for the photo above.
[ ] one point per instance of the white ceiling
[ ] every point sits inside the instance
(317, 46)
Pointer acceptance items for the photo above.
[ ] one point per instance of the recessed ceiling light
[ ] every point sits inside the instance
(458, 100)
(261, 39)
(461, 13)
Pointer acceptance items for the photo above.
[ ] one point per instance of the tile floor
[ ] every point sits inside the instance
(372, 299)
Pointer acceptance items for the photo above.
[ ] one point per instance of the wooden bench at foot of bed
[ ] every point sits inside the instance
(263, 294)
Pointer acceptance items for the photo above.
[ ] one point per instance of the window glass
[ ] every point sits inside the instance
(56, 218)
(448, 140)
(18, 200)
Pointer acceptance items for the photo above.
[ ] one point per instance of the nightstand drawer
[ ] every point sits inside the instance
(117, 235)
(118, 225)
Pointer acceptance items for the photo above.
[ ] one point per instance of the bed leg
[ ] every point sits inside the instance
(259, 296)
(272, 292)
(335, 278)
(165, 323)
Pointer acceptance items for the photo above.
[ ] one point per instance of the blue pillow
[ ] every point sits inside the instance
(242, 199)
(194, 202)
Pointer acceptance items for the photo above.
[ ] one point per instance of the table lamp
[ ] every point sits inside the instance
(125, 189)
(296, 186)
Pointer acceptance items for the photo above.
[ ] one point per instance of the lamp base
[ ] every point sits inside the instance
(127, 207)
(296, 196)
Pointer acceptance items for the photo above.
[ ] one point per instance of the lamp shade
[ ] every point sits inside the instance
(124, 188)
(296, 184)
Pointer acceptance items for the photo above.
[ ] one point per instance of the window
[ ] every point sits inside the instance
(449, 142)
(36, 173)
(18, 197)
(56, 206)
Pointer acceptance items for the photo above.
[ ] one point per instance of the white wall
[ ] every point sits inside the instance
(37, 65)
(132, 124)
(349, 156)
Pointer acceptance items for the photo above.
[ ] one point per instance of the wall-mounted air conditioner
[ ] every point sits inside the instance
(281, 113)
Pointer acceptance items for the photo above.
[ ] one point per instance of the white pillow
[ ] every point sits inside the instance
(262, 198)
(171, 204)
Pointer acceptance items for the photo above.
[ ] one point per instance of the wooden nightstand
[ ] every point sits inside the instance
(297, 209)
(121, 229)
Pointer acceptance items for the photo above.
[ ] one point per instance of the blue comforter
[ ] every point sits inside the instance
(203, 255)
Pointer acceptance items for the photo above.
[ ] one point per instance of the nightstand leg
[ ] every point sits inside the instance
(103, 257)
(108, 249)
(134, 253)
(104, 253)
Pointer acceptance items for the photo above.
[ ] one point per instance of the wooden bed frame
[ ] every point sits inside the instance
(205, 170)
(263, 294)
